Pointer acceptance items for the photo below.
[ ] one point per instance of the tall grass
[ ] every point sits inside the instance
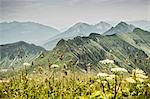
(66, 84)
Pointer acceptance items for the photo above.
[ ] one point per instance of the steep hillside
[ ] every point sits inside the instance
(82, 51)
(19, 52)
(138, 38)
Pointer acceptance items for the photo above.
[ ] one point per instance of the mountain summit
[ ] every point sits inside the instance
(102, 27)
(122, 27)
(79, 29)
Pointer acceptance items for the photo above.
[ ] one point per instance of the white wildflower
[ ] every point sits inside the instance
(3, 70)
(98, 80)
(120, 70)
(141, 76)
(26, 64)
(110, 77)
(29, 78)
(107, 61)
(148, 85)
(54, 66)
(104, 82)
(102, 74)
(130, 80)
(92, 85)
(140, 80)
(4, 81)
(138, 71)
(139, 86)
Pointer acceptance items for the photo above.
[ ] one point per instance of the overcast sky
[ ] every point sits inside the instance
(61, 13)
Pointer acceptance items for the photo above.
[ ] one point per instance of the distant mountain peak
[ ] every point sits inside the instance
(79, 24)
(122, 23)
(21, 42)
(79, 29)
(27, 31)
(102, 26)
(102, 22)
(121, 27)
(137, 30)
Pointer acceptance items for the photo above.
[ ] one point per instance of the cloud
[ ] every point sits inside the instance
(60, 12)
(23, 3)
(73, 2)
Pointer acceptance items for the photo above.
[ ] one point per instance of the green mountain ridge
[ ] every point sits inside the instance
(15, 54)
(94, 48)
(139, 39)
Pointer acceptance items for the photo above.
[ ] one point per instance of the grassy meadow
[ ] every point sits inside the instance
(54, 83)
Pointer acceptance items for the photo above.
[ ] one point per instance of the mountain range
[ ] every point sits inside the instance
(79, 29)
(83, 29)
(25, 31)
(48, 37)
(127, 45)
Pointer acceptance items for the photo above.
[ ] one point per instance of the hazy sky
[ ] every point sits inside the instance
(61, 13)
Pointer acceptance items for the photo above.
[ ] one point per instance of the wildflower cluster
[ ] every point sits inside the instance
(26, 64)
(107, 61)
(119, 70)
